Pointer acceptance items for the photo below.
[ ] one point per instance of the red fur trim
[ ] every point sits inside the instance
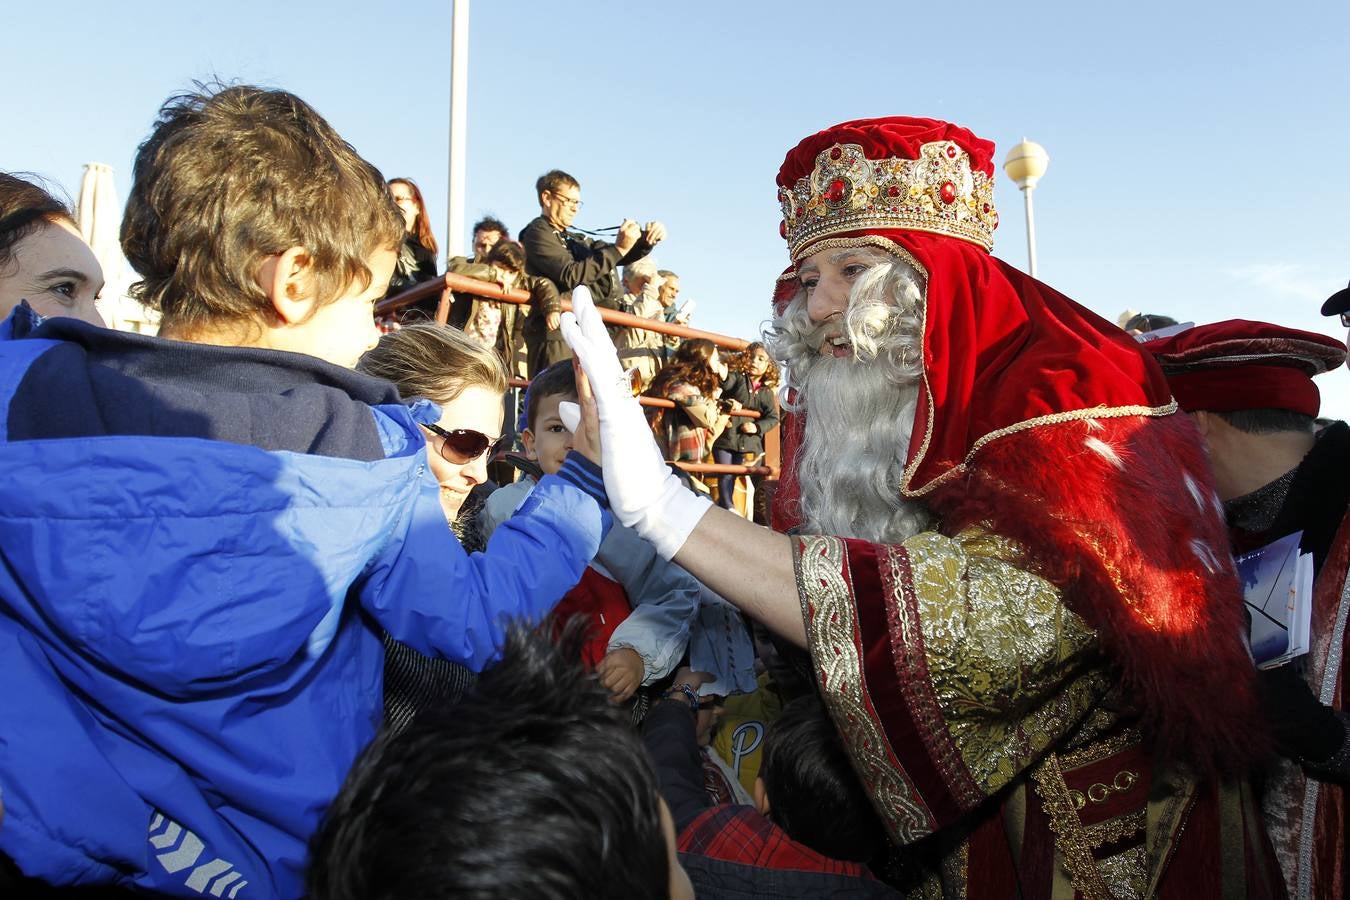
(1127, 542)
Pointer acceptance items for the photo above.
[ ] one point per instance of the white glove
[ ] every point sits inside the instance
(643, 493)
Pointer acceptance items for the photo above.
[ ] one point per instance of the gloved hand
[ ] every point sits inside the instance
(643, 493)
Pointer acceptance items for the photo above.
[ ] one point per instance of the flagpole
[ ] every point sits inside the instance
(459, 118)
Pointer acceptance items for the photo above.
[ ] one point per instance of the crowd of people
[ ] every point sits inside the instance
(273, 627)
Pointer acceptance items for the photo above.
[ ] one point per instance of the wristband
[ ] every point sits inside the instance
(688, 694)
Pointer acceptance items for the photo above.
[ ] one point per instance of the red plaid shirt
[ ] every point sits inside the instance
(739, 834)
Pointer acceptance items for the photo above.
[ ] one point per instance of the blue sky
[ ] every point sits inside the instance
(1198, 151)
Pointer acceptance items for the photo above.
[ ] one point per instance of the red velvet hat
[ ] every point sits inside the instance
(1002, 351)
(1237, 364)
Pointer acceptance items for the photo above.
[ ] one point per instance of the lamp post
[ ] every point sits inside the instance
(1025, 164)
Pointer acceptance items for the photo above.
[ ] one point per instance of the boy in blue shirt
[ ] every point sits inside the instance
(639, 606)
(204, 533)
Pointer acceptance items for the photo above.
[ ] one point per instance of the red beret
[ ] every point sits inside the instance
(1237, 364)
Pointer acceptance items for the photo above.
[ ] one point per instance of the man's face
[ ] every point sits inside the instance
(560, 206)
(484, 240)
(828, 277)
(548, 441)
(637, 284)
(670, 289)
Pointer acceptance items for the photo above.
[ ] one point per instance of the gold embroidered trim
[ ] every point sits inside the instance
(1101, 749)
(916, 680)
(833, 638)
(1070, 837)
(1117, 829)
(1168, 818)
(866, 240)
(1095, 412)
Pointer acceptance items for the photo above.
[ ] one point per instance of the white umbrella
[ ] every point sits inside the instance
(99, 216)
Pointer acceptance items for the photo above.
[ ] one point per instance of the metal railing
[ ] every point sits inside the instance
(448, 284)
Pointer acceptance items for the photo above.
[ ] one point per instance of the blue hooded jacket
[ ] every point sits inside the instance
(199, 547)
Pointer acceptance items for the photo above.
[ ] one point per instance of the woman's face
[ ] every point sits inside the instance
(406, 203)
(476, 409)
(55, 271)
(715, 361)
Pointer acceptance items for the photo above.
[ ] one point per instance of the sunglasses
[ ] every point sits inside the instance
(463, 445)
(1345, 320)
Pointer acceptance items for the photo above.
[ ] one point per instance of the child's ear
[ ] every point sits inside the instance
(527, 440)
(285, 279)
(761, 796)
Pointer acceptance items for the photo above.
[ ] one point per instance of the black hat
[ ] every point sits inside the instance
(1338, 302)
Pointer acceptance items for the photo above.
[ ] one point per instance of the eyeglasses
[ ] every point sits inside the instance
(567, 201)
(463, 445)
(1345, 320)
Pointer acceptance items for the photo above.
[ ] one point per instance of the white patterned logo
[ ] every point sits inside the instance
(178, 849)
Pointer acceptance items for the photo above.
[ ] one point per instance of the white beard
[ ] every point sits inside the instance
(853, 452)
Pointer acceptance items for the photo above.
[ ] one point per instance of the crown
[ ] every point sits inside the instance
(846, 191)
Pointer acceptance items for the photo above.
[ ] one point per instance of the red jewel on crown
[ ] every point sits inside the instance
(782, 229)
(836, 152)
(951, 151)
(948, 191)
(893, 191)
(837, 190)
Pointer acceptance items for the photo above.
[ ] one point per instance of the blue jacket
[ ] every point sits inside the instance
(190, 629)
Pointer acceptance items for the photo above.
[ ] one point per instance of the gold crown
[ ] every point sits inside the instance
(846, 191)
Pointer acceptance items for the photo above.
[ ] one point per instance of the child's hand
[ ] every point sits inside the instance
(586, 434)
(621, 673)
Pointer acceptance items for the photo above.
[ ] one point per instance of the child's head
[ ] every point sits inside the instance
(808, 787)
(545, 437)
(532, 785)
(249, 216)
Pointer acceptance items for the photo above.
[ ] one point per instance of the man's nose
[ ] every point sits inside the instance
(828, 297)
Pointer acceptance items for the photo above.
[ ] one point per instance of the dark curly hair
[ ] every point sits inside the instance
(740, 362)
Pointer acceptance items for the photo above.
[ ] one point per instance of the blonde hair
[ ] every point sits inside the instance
(434, 362)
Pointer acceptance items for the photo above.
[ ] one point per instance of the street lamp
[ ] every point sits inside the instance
(1025, 164)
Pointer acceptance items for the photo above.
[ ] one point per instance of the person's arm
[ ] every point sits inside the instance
(768, 410)
(715, 545)
(749, 566)
(550, 257)
(428, 593)
(642, 248)
(664, 599)
(462, 265)
(668, 732)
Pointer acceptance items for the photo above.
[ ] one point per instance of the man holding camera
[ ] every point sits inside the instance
(570, 260)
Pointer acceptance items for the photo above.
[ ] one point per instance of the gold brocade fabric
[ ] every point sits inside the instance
(1011, 670)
